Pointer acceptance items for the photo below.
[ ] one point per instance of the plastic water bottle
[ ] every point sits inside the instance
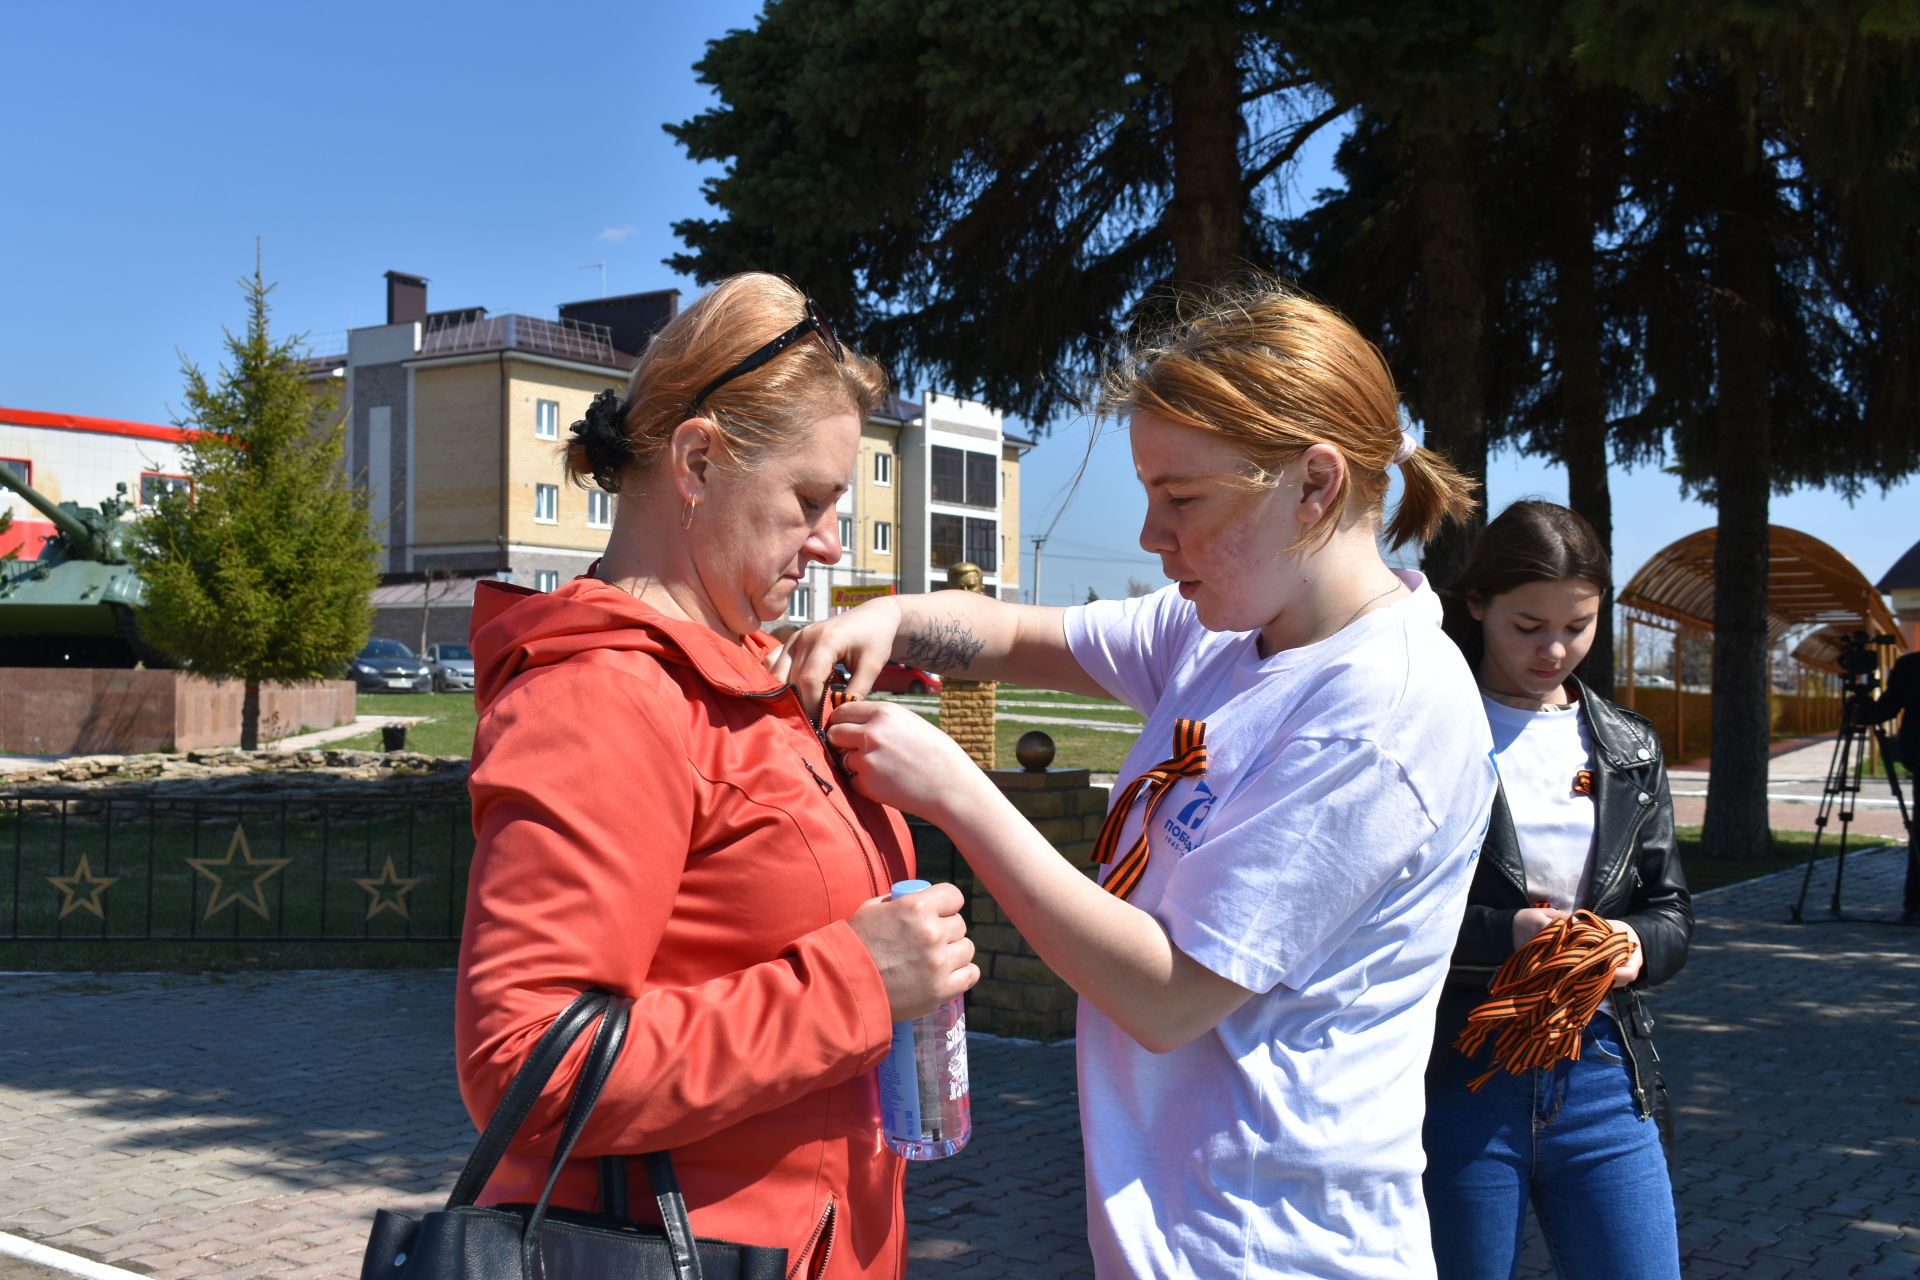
(925, 1110)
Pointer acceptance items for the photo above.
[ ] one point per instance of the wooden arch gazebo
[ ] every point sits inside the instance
(1809, 584)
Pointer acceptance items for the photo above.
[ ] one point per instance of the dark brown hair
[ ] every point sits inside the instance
(1531, 541)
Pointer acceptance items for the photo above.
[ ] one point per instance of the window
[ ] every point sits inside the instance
(22, 469)
(155, 485)
(965, 478)
(846, 531)
(801, 604)
(957, 538)
(546, 579)
(882, 537)
(983, 544)
(883, 468)
(546, 503)
(599, 509)
(546, 419)
(949, 535)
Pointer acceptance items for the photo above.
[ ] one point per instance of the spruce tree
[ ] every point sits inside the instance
(263, 569)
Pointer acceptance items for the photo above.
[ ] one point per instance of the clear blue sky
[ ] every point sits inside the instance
(496, 149)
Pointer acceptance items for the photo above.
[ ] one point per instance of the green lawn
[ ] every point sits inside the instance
(450, 732)
(1790, 850)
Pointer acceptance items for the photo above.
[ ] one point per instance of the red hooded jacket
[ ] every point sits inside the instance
(656, 816)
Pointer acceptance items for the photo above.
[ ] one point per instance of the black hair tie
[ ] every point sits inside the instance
(602, 436)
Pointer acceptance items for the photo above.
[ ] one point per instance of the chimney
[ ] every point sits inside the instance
(406, 298)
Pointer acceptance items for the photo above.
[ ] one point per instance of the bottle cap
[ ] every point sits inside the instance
(901, 888)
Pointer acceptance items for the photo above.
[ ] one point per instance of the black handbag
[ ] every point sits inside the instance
(466, 1241)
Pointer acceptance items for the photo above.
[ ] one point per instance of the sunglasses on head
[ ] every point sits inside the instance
(812, 322)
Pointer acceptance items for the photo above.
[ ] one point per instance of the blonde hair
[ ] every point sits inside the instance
(755, 413)
(1276, 372)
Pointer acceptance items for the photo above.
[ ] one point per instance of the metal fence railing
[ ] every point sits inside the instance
(87, 868)
(304, 869)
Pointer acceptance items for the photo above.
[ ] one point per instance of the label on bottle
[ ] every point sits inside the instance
(900, 1088)
(957, 1057)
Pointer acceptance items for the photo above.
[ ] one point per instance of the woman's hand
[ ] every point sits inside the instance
(919, 943)
(860, 639)
(898, 758)
(1630, 970)
(1531, 920)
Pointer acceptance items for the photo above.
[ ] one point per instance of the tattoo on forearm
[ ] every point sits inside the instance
(947, 644)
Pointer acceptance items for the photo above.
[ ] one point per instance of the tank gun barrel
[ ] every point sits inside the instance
(78, 532)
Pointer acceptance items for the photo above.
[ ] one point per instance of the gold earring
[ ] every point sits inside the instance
(686, 513)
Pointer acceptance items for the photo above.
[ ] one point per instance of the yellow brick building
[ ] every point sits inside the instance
(456, 421)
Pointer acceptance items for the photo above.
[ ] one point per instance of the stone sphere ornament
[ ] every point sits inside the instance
(1034, 751)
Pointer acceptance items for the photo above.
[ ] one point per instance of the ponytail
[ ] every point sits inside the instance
(1433, 493)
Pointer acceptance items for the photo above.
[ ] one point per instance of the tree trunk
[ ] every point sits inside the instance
(1583, 411)
(1736, 819)
(1206, 218)
(250, 717)
(1449, 326)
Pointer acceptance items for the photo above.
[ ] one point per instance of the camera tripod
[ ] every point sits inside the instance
(1844, 775)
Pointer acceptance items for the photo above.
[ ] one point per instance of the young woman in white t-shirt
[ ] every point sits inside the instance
(1290, 839)
(1583, 820)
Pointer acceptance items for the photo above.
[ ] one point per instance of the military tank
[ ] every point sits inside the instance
(77, 604)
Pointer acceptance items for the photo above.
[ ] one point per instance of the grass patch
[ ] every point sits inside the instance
(1073, 748)
(1026, 693)
(448, 732)
(1790, 850)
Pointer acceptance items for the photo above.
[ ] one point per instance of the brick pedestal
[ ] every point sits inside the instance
(966, 713)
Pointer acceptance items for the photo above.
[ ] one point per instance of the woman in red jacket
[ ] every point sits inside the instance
(657, 816)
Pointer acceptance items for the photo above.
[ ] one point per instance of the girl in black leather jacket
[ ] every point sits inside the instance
(1583, 819)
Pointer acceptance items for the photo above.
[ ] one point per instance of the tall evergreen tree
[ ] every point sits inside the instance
(264, 568)
(1776, 202)
(984, 192)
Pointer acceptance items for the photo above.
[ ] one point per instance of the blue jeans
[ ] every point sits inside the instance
(1566, 1137)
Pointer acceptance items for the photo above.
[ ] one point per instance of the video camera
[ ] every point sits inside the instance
(1858, 662)
(1860, 668)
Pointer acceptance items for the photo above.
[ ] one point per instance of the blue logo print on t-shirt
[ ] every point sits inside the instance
(1183, 828)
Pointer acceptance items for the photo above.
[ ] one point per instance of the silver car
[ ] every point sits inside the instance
(452, 666)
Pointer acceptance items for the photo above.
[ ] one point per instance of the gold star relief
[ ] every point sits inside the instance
(396, 901)
(74, 899)
(252, 898)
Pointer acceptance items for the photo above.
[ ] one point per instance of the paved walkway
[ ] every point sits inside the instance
(246, 1126)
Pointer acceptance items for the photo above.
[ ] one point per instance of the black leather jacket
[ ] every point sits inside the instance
(1636, 878)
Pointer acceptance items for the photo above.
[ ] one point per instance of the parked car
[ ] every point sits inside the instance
(1654, 682)
(452, 666)
(387, 666)
(898, 677)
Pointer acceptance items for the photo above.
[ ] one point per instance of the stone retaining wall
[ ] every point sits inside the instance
(68, 710)
(1018, 995)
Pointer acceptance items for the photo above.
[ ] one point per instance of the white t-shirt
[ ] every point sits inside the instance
(1322, 862)
(1540, 755)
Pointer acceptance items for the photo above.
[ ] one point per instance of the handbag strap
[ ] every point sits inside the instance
(528, 1083)
(601, 1056)
(673, 1216)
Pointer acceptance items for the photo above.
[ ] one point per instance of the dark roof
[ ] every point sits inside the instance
(898, 408)
(1905, 574)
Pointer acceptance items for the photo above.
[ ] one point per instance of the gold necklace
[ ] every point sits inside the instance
(1367, 603)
